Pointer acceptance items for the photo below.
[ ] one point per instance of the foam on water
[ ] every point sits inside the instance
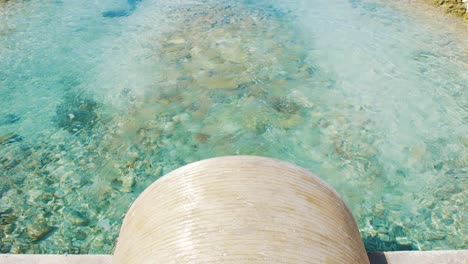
(101, 98)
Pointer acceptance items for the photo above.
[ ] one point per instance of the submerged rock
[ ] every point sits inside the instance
(76, 113)
(9, 119)
(291, 121)
(38, 231)
(5, 248)
(77, 218)
(7, 217)
(284, 105)
(127, 183)
(132, 5)
(80, 235)
(19, 248)
(10, 138)
(456, 7)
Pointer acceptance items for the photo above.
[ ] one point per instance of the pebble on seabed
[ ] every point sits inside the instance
(38, 231)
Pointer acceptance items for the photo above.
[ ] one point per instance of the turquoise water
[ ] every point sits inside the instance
(100, 98)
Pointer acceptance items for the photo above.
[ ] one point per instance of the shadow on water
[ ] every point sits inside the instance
(375, 243)
(389, 237)
(116, 13)
(375, 247)
(377, 258)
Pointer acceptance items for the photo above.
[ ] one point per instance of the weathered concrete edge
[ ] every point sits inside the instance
(420, 257)
(400, 257)
(54, 259)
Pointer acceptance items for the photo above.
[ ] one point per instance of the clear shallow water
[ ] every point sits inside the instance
(99, 99)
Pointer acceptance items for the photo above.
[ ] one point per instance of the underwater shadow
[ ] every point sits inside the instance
(377, 258)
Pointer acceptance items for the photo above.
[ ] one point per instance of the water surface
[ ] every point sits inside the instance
(99, 99)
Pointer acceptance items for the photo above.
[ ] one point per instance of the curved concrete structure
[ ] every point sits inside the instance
(239, 209)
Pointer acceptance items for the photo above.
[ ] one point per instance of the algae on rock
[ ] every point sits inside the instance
(456, 7)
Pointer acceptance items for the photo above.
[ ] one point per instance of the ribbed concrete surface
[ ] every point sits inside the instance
(239, 209)
(404, 257)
